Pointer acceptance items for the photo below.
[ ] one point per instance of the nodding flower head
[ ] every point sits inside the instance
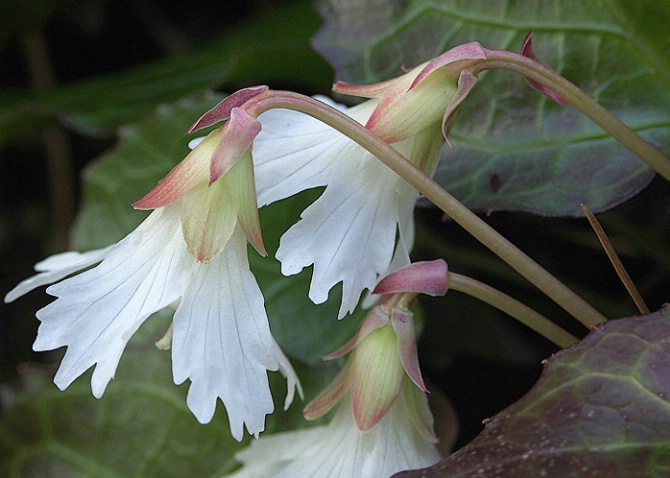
(216, 180)
(425, 95)
(383, 351)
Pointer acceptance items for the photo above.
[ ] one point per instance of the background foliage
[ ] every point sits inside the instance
(128, 80)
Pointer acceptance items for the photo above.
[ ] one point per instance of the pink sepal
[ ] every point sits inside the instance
(188, 174)
(403, 326)
(329, 397)
(373, 321)
(237, 137)
(527, 51)
(455, 59)
(430, 278)
(221, 111)
(367, 413)
(466, 81)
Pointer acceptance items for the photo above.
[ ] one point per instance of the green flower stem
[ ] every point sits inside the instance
(488, 236)
(512, 307)
(580, 100)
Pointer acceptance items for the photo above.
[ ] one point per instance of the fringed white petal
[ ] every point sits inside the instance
(292, 153)
(271, 453)
(97, 311)
(403, 247)
(54, 268)
(392, 446)
(222, 341)
(295, 152)
(341, 450)
(349, 233)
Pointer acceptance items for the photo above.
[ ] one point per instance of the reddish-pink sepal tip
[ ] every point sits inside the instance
(430, 278)
(527, 51)
(221, 111)
(330, 396)
(455, 59)
(374, 320)
(237, 137)
(466, 81)
(376, 90)
(403, 326)
(184, 177)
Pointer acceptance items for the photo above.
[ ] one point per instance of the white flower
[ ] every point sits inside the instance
(341, 450)
(349, 233)
(382, 424)
(221, 338)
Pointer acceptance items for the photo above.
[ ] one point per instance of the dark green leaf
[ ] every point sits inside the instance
(647, 23)
(139, 428)
(601, 407)
(513, 148)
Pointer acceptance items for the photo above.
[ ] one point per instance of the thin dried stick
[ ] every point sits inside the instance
(616, 262)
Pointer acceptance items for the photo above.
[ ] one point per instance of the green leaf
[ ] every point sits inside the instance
(601, 407)
(139, 428)
(259, 51)
(513, 148)
(647, 22)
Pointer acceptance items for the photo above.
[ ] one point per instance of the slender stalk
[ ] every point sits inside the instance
(573, 95)
(488, 236)
(512, 307)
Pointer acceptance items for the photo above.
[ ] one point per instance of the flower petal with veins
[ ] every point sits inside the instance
(222, 341)
(220, 336)
(57, 267)
(98, 310)
(340, 450)
(294, 152)
(349, 233)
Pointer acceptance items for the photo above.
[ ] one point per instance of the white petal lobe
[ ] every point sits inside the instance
(222, 341)
(292, 381)
(295, 152)
(292, 153)
(98, 310)
(54, 268)
(341, 450)
(393, 445)
(349, 233)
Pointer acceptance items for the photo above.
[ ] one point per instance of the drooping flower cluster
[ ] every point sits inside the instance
(190, 253)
